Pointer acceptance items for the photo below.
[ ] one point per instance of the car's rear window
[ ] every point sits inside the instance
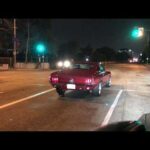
(81, 66)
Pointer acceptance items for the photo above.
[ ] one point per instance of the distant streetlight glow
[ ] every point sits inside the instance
(147, 59)
(87, 58)
(130, 50)
(135, 59)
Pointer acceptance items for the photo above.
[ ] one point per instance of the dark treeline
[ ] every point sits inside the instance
(73, 50)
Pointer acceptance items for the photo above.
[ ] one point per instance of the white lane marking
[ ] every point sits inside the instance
(127, 90)
(26, 98)
(107, 117)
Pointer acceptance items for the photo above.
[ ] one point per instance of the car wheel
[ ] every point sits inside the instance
(98, 90)
(108, 82)
(60, 92)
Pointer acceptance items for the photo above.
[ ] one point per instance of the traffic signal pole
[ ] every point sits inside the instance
(27, 43)
(14, 52)
(148, 38)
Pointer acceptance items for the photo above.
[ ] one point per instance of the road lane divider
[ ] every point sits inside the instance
(109, 114)
(127, 90)
(26, 98)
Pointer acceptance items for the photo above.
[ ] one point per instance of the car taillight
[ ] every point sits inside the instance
(54, 79)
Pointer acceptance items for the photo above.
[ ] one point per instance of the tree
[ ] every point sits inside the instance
(6, 35)
(146, 53)
(32, 31)
(69, 49)
(122, 56)
(88, 50)
(104, 54)
(84, 52)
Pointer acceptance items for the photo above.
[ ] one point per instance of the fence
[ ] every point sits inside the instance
(6, 60)
(32, 65)
(4, 67)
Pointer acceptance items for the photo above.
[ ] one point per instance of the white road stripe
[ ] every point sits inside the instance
(107, 118)
(26, 98)
(127, 90)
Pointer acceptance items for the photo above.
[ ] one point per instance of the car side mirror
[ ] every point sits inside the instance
(101, 72)
(145, 119)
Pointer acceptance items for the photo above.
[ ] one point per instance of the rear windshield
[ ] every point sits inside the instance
(81, 66)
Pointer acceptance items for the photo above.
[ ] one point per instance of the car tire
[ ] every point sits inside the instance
(109, 83)
(98, 90)
(60, 92)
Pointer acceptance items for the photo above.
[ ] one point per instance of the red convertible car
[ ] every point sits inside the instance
(86, 76)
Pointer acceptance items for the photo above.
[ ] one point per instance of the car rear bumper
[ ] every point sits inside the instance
(77, 87)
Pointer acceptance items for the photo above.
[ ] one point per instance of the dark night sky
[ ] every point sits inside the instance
(114, 33)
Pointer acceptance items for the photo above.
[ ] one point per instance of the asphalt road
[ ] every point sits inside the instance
(29, 103)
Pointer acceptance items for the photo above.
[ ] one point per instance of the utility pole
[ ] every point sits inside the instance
(148, 38)
(43, 60)
(27, 45)
(14, 52)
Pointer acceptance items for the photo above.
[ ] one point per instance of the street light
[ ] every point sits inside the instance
(11, 28)
(40, 48)
(130, 50)
(137, 32)
(87, 59)
(147, 59)
(141, 31)
(14, 52)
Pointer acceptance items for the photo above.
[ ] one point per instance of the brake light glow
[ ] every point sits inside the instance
(55, 79)
(88, 81)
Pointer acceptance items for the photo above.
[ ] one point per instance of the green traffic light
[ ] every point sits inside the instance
(40, 48)
(135, 33)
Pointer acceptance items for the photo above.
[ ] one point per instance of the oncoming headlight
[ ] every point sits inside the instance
(87, 59)
(60, 64)
(67, 64)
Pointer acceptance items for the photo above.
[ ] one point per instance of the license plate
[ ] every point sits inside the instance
(71, 86)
